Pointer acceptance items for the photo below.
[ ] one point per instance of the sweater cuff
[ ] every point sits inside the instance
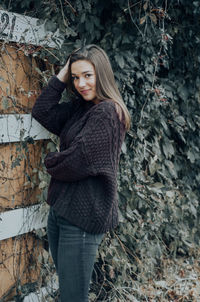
(55, 83)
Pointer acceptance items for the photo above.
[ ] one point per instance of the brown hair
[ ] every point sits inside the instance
(106, 87)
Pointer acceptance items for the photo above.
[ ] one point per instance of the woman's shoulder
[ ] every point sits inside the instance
(105, 106)
(110, 109)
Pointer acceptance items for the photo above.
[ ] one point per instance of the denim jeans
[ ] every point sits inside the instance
(74, 252)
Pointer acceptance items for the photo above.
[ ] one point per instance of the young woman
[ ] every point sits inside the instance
(83, 190)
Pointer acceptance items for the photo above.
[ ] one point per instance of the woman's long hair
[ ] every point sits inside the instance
(106, 87)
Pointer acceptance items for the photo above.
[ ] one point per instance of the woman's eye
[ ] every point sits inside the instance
(88, 75)
(74, 78)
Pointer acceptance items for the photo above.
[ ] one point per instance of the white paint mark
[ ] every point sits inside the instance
(43, 293)
(23, 220)
(18, 127)
(26, 30)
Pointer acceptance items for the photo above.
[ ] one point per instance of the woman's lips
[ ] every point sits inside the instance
(85, 91)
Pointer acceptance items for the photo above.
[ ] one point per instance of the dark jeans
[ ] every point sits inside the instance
(74, 253)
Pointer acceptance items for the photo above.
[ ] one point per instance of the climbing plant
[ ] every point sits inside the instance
(154, 48)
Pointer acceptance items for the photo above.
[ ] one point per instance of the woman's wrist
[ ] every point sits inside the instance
(62, 75)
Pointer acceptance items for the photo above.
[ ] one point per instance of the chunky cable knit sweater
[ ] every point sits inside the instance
(83, 186)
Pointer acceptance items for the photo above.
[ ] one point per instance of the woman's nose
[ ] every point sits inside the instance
(81, 82)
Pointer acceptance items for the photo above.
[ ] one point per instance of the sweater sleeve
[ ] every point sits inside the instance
(88, 155)
(48, 112)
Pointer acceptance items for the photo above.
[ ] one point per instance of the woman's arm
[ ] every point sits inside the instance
(62, 75)
(93, 151)
(83, 156)
(47, 111)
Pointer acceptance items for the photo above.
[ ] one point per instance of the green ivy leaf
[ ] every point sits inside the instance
(180, 120)
(5, 103)
(120, 60)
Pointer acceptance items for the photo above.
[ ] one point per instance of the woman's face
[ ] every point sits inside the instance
(84, 80)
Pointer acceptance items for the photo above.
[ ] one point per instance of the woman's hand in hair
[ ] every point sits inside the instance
(62, 75)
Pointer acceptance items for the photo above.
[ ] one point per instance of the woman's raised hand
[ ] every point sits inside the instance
(62, 75)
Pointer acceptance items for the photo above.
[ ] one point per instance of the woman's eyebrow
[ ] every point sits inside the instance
(83, 72)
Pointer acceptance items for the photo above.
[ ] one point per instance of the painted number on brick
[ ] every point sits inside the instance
(7, 25)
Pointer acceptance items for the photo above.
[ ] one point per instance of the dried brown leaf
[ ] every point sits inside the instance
(145, 5)
(142, 20)
(153, 18)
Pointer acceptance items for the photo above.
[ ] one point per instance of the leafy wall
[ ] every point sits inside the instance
(154, 47)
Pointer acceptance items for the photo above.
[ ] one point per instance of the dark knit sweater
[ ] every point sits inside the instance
(83, 186)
